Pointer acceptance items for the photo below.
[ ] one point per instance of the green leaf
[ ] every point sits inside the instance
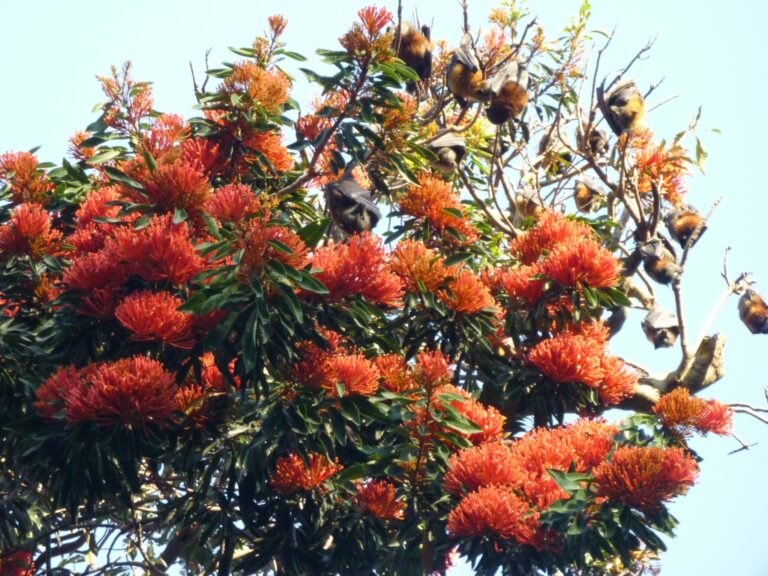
(117, 176)
(308, 282)
(457, 258)
(313, 232)
(701, 155)
(292, 55)
(568, 481)
(281, 247)
(179, 215)
(105, 156)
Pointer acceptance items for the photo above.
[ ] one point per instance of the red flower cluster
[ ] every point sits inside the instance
(434, 201)
(258, 238)
(233, 203)
(487, 418)
(520, 283)
(160, 252)
(167, 131)
(132, 392)
(19, 171)
(155, 317)
(498, 512)
(684, 413)
(581, 357)
(467, 294)
(646, 477)
(28, 232)
(417, 265)
(552, 230)
(336, 370)
(292, 473)
(176, 185)
(582, 262)
(654, 163)
(505, 487)
(492, 463)
(364, 39)
(270, 145)
(359, 267)
(379, 498)
(267, 88)
(395, 373)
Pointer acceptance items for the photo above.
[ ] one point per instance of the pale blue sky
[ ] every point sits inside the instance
(714, 57)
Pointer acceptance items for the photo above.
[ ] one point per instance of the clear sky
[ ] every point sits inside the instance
(710, 56)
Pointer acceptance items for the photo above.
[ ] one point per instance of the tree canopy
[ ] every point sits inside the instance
(367, 334)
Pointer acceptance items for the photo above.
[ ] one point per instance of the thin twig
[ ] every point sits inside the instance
(743, 445)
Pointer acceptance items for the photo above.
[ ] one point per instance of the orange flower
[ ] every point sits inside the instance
(684, 413)
(357, 375)
(292, 473)
(88, 272)
(570, 358)
(434, 201)
(267, 88)
(519, 283)
(203, 153)
(646, 477)
(154, 317)
(19, 171)
(655, 162)
(487, 418)
(97, 205)
(163, 251)
(432, 370)
(167, 131)
(414, 263)
(467, 294)
(379, 498)
(52, 394)
(130, 102)
(395, 375)
(619, 381)
(28, 232)
(551, 230)
(495, 511)
(175, 185)
(277, 24)
(582, 262)
(233, 203)
(77, 150)
(364, 39)
(270, 144)
(212, 377)
(311, 126)
(488, 464)
(131, 392)
(374, 18)
(359, 267)
(313, 370)
(258, 250)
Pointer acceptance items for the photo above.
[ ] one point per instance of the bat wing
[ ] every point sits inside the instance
(660, 319)
(466, 55)
(504, 75)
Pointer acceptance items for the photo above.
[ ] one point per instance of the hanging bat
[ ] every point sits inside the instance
(660, 327)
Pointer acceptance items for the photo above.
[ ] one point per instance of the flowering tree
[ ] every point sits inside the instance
(211, 359)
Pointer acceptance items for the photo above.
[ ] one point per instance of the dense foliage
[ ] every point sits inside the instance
(211, 359)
